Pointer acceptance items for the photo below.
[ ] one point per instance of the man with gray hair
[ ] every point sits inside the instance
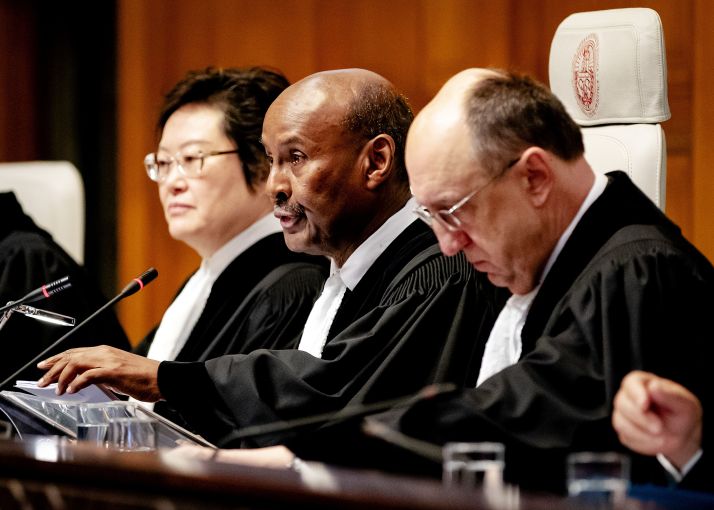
(602, 282)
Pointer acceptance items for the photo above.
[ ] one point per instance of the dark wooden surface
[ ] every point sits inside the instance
(55, 473)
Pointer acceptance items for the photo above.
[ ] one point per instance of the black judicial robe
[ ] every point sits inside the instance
(260, 300)
(627, 292)
(411, 320)
(30, 258)
(264, 288)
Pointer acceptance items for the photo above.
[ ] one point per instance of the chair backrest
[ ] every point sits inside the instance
(609, 70)
(52, 193)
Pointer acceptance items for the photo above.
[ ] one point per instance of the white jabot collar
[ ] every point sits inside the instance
(504, 345)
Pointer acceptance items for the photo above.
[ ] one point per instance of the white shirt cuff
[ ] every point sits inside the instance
(677, 474)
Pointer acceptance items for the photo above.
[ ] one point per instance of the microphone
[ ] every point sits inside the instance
(133, 287)
(139, 283)
(43, 292)
(351, 411)
(380, 430)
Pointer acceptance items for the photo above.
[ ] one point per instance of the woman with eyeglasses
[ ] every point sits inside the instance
(210, 168)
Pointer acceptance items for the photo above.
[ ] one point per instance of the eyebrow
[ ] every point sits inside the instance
(292, 139)
(184, 144)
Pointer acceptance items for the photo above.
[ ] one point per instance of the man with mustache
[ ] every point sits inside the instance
(394, 315)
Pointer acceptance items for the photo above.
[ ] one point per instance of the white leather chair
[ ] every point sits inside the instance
(52, 193)
(609, 70)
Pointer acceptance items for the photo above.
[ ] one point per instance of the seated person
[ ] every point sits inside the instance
(210, 170)
(30, 258)
(395, 314)
(658, 417)
(602, 281)
(250, 290)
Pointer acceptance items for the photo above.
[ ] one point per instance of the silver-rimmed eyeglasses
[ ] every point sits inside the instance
(447, 217)
(189, 165)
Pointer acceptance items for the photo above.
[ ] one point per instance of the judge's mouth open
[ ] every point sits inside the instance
(289, 215)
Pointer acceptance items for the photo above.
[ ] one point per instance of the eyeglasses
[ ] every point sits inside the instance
(189, 165)
(447, 217)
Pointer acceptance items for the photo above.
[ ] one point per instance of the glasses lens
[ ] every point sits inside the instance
(448, 220)
(191, 164)
(152, 168)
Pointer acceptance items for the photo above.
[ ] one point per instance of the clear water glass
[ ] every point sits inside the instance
(93, 420)
(135, 434)
(601, 478)
(475, 465)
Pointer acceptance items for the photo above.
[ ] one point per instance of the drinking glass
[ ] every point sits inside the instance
(135, 433)
(93, 419)
(477, 465)
(599, 477)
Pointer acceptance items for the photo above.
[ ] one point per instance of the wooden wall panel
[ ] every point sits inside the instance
(142, 231)
(417, 44)
(19, 138)
(457, 35)
(372, 34)
(702, 193)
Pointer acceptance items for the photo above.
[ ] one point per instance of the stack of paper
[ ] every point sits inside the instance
(92, 393)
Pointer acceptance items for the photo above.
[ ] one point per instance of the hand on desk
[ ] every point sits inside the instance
(122, 371)
(655, 415)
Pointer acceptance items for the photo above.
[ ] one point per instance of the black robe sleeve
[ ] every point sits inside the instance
(699, 477)
(423, 330)
(270, 316)
(642, 303)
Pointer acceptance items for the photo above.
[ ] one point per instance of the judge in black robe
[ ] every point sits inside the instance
(627, 292)
(335, 142)
(389, 338)
(251, 290)
(29, 258)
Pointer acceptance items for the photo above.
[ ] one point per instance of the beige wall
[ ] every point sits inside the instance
(417, 44)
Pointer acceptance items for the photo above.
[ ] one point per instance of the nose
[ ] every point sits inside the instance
(175, 181)
(451, 243)
(278, 184)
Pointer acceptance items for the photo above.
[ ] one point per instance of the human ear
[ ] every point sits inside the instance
(538, 175)
(380, 160)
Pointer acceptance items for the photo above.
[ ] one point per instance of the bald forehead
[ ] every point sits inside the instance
(334, 89)
(444, 117)
(439, 148)
(462, 83)
(449, 103)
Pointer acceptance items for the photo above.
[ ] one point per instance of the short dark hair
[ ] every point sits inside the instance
(509, 112)
(380, 109)
(244, 95)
